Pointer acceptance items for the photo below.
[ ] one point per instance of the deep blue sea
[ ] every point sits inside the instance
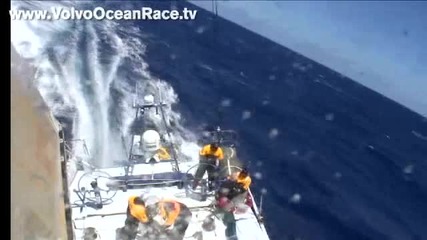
(351, 154)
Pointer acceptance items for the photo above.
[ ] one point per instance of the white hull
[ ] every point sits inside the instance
(113, 215)
(142, 179)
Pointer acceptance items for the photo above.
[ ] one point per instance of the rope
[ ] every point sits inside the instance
(124, 213)
(228, 161)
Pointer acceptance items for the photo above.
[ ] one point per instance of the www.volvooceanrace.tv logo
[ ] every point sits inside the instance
(99, 13)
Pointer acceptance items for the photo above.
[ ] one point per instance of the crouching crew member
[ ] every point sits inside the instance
(235, 191)
(136, 213)
(173, 217)
(165, 219)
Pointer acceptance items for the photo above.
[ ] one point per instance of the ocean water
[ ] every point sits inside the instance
(337, 160)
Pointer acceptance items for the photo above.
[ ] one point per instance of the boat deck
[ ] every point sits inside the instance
(242, 224)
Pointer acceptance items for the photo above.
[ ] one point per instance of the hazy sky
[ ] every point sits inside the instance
(382, 45)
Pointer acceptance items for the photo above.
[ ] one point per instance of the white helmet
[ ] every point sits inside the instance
(151, 140)
(148, 99)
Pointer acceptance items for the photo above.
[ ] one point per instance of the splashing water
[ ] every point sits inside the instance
(82, 72)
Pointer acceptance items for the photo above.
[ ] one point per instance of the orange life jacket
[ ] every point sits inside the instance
(137, 210)
(206, 151)
(246, 182)
(163, 154)
(169, 210)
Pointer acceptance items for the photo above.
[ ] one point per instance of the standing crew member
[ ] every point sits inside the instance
(211, 157)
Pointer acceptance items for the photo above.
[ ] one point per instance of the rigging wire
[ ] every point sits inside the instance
(175, 163)
(215, 77)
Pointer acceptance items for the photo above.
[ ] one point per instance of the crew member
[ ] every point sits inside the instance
(243, 178)
(234, 191)
(211, 156)
(172, 216)
(136, 213)
(226, 193)
(163, 154)
(244, 181)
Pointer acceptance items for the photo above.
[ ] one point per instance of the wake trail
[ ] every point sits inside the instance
(87, 72)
